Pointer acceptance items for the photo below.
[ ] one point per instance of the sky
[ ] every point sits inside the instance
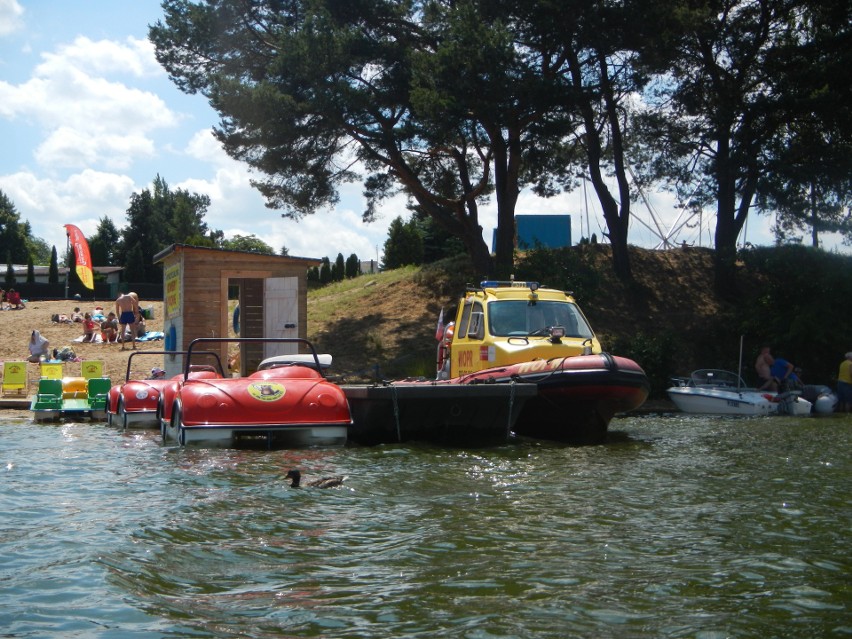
(88, 117)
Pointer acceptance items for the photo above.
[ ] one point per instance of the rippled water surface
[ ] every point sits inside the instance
(678, 527)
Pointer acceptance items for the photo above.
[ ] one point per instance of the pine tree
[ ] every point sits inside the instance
(339, 268)
(53, 272)
(10, 271)
(353, 266)
(404, 244)
(325, 271)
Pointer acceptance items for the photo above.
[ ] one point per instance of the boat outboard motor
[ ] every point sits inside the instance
(785, 403)
(822, 397)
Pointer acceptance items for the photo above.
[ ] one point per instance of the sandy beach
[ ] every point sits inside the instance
(16, 326)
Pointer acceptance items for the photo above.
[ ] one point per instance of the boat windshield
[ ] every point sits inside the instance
(507, 318)
(716, 379)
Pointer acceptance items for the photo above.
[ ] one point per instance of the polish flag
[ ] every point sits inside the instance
(439, 331)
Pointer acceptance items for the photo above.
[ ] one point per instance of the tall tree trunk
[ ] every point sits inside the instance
(506, 157)
(725, 255)
(730, 218)
(616, 217)
(620, 253)
(468, 230)
(479, 253)
(619, 224)
(814, 218)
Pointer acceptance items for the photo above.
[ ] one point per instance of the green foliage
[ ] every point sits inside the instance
(456, 103)
(134, 269)
(249, 244)
(104, 245)
(339, 270)
(749, 110)
(156, 220)
(10, 271)
(204, 241)
(565, 269)
(353, 266)
(443, 100)
(404, 244)
(652, 352)
(71, 263)
(804, 289)
(438, 243)
(53, 270)
(325, 271)
(14, 235)
(447, 277)
(797, 297)
(38, 249)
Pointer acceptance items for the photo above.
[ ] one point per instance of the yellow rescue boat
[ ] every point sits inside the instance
(505, 331)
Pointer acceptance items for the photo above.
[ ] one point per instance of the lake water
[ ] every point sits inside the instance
(678, 527)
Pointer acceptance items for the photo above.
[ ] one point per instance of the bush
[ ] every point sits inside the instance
(565, 269)
(652, 353)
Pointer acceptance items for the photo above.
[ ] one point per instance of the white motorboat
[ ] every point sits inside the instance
(718, 392)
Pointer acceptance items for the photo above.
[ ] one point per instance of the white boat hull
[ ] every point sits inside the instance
(138, 419)
(714, 401)
(292, 435)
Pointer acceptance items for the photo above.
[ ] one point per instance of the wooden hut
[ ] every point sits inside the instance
(271, 291)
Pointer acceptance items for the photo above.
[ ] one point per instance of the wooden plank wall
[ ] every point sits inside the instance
(201, 296)
(251, 303)
(206, 275)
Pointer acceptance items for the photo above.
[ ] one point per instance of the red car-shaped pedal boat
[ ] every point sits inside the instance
(134, 402)
(287, 402)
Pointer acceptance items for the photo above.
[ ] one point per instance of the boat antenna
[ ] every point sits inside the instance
(740, 365)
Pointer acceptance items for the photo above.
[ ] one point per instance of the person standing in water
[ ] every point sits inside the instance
(763, 367)
(127, 308)
(844, 384)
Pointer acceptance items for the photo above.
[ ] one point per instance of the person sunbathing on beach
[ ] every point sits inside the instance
(39, 347)
(14, 299)
(88, 328)
(109, 328)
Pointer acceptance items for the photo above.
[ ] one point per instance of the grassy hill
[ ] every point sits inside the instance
(796, 299)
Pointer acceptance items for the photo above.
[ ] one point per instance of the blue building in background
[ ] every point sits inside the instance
(548, 231)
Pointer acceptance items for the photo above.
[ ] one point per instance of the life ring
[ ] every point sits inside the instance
(442, 355)
(444, 346)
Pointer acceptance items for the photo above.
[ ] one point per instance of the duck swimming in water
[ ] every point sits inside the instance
(325, 482)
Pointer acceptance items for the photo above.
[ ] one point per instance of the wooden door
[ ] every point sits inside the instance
(281, 313)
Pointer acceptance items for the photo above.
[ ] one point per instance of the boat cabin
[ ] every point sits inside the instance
(501, 323)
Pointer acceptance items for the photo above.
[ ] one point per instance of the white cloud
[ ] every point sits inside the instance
(87, 120)
(238, 209)
(327, 233)
(72, 148)
(11, 17)
(132, 56)
(81, 199)
(203, 146)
